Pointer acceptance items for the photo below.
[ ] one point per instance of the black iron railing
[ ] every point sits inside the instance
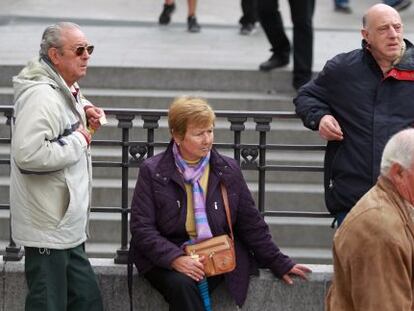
(251, 156)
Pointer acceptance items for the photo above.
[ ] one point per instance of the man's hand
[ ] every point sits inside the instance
(189, 266)
(85, 134)
(329, 128)
(93, 114)
(298, 270)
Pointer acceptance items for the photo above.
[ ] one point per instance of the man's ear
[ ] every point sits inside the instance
(53, 55)
(364, 34)
(395, 173)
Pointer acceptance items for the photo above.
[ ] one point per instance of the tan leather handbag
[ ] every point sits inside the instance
(218, 251)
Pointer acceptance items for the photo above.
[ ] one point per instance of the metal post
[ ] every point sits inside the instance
(237, 125)
(262, 126)
(150, 123)
(13, 252)
(125, 123)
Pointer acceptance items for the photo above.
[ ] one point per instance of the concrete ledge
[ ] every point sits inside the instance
(2, 286)
(265, 293)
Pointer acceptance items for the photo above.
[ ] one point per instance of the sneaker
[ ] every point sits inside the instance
(343, 8)
(165, 16)
(192, 24)
(247, 29)
(401, 4)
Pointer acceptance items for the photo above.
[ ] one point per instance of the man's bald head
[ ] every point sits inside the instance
(383, 33)
(377, 10)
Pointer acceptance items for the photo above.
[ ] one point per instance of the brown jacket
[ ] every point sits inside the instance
(373, 255)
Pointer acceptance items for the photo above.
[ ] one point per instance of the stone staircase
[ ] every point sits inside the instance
(305, 239)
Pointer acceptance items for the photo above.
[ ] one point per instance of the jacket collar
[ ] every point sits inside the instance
(399, 202)
(167, 170)
(406, 62)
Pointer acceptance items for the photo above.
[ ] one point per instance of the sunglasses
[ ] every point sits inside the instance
(81, 49)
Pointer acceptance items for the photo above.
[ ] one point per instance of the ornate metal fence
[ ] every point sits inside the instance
(251, 156)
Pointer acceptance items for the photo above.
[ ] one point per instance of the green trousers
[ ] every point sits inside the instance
(60, 280)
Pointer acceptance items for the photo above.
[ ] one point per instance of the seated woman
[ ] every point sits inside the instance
(184, 178)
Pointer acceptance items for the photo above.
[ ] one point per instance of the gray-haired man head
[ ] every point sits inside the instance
(50, 186)
(373, 248)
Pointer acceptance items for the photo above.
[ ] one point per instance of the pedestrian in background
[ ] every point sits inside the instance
(50, 187)
(357, 102)
(169, 8)
(249, 18)
(272, 23)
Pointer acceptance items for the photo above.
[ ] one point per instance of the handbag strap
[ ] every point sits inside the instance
(130, 269)
(227, 208)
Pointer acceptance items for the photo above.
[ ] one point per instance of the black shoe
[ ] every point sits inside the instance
(192, 24)
(343, 8)
(401, 5)
(274, 62)
(247, 29)
(165, 16)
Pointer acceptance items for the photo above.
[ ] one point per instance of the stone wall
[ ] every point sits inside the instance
(266, 293)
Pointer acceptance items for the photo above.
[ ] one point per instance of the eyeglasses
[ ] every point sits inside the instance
(81, 49)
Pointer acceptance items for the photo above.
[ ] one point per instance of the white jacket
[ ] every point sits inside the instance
(50, 188)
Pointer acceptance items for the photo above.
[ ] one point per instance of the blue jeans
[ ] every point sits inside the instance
(340, 217)
(339, 2)
(391, 2)
(388, 2)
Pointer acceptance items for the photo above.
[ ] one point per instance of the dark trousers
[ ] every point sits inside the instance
(180, 291)
(60, 280)
(272, 24)
(249, 10)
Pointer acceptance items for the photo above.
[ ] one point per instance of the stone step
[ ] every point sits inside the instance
(303, 255)
(309, 255)
(282, 132)
(273, 157)
(161, 99)
(279, 158)
(283, 157)
(308, 240)
(286, 231)
(4, 224)
(301, 231)
(279, 196)
(93, 249)
(250, 175)
(183, 79)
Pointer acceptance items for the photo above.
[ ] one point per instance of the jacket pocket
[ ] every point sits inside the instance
(67, 208)
(332, 158)
(49, 199)
(169, 210)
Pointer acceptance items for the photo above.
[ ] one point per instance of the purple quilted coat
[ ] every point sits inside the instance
(159, 214)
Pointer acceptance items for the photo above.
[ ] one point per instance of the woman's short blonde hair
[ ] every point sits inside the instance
(188, 109)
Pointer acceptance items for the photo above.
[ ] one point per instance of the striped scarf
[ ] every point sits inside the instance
(192, 176)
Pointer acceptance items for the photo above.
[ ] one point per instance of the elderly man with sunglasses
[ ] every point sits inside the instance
(50, 188)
